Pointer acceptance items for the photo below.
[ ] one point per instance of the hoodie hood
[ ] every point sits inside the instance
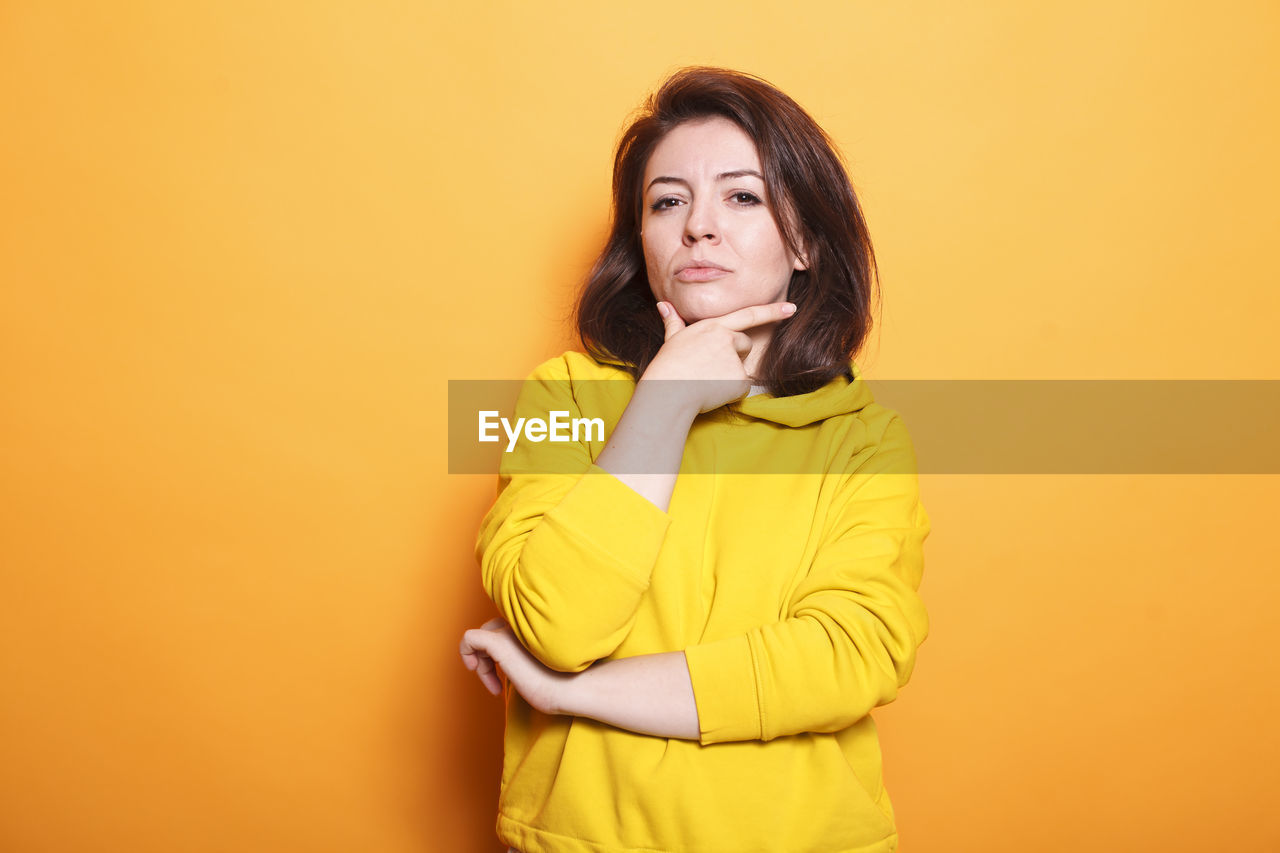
(840, 396)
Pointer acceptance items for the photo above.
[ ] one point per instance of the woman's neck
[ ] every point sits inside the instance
(761, 337)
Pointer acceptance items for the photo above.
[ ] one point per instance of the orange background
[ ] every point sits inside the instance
(243, 246)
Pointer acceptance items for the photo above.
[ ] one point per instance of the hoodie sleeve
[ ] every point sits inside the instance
(567, 549)
(852, 628)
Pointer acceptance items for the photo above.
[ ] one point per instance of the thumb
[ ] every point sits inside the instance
(671, 321)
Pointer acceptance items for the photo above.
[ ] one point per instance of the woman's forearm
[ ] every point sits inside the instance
(648, 442)
(648, 694)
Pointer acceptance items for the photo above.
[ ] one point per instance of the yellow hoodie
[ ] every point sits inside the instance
(792, 595)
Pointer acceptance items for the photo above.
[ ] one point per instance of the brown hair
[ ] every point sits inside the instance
(803, 176)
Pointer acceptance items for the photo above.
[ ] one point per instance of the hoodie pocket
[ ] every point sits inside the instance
(860, 746)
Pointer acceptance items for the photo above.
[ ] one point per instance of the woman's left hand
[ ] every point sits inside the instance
(494, 643)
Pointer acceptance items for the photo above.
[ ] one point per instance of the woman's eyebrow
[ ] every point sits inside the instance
(723, 176)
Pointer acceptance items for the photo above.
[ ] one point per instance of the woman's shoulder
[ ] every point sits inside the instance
(576, 381)
(575, 366)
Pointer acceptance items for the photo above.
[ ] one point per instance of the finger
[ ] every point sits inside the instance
(671, 322)
(487, 670)
(484, 671)
(474, 641)
(756, 315)
(742, 344)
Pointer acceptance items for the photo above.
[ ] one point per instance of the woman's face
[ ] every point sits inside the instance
(710, 243)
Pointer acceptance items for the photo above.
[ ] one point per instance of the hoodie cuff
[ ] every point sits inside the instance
(724, 689)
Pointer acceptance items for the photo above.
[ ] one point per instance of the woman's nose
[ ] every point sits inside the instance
(701, 223)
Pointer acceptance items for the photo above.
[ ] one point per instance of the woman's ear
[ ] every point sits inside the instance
(802, 259)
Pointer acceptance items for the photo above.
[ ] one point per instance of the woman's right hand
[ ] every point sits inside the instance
(699, 367)
(712, 351)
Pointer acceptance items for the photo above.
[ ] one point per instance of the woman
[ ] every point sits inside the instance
(694, 645)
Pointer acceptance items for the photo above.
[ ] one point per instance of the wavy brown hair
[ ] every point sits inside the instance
(807, 185)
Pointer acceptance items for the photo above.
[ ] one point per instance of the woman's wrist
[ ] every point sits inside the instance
(649, 694)
(647, 445)
(668, 400)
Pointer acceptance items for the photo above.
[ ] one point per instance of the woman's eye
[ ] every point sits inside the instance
(664, 203)
(745, 197)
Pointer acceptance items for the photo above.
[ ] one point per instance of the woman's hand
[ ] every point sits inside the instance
(712, 351)
(708, 362)
(493, 645)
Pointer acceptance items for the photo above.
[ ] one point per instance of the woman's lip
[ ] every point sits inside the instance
(701, 273)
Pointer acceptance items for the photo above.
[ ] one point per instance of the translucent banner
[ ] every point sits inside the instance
(956, 427)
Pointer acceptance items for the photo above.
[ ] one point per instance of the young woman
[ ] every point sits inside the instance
(700, 607)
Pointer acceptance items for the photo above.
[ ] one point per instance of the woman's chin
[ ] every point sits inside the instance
(713, 299)
(691, 311)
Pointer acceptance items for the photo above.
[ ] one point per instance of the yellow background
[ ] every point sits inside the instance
(244, 245)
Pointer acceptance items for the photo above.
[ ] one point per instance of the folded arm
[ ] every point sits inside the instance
(847, 645)
(648, 694)
(852, 628)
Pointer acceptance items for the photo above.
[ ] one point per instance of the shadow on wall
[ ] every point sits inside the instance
(449, 729)
(449, 733)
